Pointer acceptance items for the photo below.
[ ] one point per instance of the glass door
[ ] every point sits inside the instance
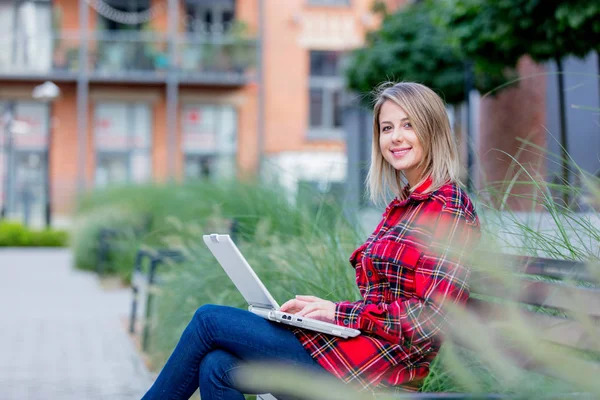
(27, 200)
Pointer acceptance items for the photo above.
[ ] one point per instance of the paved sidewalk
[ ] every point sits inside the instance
(61, 336)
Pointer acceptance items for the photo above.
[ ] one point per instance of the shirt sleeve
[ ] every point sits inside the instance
(440, 278)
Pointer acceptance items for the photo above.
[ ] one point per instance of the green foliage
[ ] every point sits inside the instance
(209, 206)
(495, 34)
(86, 230)
(408, 47)
(430, 42)
(297, 249)
(311, 261)
(581, 16)
(14, 234)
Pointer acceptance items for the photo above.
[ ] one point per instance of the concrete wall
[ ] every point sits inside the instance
(582, 81)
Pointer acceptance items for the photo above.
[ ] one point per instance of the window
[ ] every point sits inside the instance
(26, 44)
(123, 143)
(325, 63)
(209, 16)
(326, 86)
(209, 141)
(337, 3)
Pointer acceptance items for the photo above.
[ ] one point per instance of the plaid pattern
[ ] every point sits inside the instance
(411, 265)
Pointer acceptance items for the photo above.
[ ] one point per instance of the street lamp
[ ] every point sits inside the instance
(47, 92)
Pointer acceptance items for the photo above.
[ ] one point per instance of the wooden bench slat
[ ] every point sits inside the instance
(541, 266)
(540, 293)
(562, 331)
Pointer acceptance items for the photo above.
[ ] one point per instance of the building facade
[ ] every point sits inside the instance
(153, 90)
(169, 89)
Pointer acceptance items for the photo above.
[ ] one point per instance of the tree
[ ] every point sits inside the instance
(495, 34)
(409, 46)
(582, 16)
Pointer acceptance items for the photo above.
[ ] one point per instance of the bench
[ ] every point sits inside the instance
(145, 283)
(541, 291)
(106, 242)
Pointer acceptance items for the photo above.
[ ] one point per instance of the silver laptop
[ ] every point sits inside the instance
(256, 294)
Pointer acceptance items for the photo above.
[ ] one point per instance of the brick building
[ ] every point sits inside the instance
(250, 80)
(159, 89)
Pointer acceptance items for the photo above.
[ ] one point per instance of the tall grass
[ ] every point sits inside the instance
(549, 227)
(308, 258)
(296, 249)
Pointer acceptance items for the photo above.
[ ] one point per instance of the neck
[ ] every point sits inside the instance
(413, 178)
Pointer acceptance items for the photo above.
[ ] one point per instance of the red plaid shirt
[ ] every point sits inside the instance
(412, 263)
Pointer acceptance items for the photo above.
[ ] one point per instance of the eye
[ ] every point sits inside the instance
(407, 125)
(386, 128)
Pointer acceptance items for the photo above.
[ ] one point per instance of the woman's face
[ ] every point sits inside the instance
(398, 142)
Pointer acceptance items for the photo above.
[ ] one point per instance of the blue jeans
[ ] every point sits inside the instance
(214, 344)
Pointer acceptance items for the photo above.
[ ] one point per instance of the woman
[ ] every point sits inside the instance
(407, 271)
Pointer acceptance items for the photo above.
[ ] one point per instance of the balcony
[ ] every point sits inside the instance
(216, 59)
(35, 57)
(130, 57)
(127, 56)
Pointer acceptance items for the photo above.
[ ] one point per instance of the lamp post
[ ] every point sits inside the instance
(47, 92)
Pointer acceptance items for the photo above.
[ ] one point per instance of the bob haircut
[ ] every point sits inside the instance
(427, 114)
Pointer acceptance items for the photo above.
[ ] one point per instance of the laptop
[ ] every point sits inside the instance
(256, 294)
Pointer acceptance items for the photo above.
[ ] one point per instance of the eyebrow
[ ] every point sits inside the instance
(388, 122)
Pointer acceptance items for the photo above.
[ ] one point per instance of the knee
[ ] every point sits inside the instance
(206, 312)
(216, 366)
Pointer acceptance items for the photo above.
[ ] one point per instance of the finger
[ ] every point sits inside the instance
(307, 309)
(310, 299)
(292, 306)
(289, 305)
(321, 315)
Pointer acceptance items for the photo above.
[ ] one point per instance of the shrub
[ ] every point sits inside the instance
(86, 232)
(14, 234)
(206, 205)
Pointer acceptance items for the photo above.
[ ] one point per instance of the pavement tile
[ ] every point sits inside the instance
(61, 335)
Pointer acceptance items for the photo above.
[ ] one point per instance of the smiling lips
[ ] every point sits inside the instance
(400, 152)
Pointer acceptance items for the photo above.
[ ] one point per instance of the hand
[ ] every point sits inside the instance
(310, 307)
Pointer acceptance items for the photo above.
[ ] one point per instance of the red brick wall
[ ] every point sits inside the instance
(63, 149)
(517, 112)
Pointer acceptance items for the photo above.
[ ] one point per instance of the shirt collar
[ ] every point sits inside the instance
(417, 194)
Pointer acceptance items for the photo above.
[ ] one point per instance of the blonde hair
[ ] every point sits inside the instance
(427, 114)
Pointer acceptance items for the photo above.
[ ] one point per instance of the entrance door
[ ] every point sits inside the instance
(27, 200)
(24, 162)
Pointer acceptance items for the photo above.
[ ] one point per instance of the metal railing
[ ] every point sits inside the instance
(211, 56)
(39, 55)
(130, 55)
(125, 54)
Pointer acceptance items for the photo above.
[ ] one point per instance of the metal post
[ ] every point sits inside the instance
(563, 129)
(15, 19)
(8, 150)
(357, 129)
(137, 271)
(47, 187)
(172, 89)
(82, 96)
(260, 48)
(26, 200)
(149, 298)
(469, 130)
(102, 252)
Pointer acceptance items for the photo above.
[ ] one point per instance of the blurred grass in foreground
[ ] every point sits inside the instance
(296, 249)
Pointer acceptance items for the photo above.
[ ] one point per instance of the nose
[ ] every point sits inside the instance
(397, 135)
